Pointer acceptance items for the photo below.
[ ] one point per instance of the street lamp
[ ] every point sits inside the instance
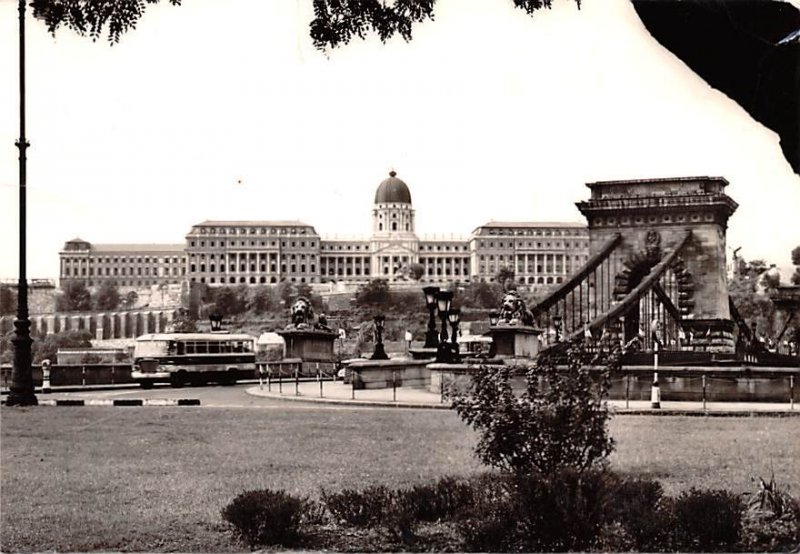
(443, 300)
(21, 389)
(379, 353)
(431, 337)
(494, 317)
(454, 317)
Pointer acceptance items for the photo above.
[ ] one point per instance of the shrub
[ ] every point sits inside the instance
(636, 506)
(706, 520)
(265, 517)
(563, 511)
(441, 500)
(772, 520)
(559, 421)
(537, 512)
(359, 508)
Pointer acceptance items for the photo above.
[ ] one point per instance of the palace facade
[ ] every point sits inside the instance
(270, 252)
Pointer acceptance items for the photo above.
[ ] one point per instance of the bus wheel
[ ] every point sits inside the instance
(146, 384)
(176, 380)
(229, 378)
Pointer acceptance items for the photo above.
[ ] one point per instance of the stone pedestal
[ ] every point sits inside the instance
(310, 345)
(514, 341)
(385, 374)
(709, 335)
(422, 353)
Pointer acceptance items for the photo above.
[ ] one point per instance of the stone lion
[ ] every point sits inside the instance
(514, 311)
(301, 312)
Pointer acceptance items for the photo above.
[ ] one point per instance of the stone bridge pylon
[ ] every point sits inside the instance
(656, 268)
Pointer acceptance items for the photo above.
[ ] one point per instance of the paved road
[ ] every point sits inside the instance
(212, 396)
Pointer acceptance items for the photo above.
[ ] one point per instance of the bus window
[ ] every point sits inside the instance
(190, 347)
(248, 346)
(201, 348)
(171, 347)
(213, 348)
(224, 347)
(181, 348)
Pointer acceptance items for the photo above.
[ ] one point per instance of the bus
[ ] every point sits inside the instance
(195, 358)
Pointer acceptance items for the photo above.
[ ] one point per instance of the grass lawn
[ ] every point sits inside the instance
(155, 479)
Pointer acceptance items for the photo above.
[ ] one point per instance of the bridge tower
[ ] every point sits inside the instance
(676, 228)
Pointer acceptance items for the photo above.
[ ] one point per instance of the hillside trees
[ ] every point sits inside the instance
(107, 296)
(8, 300)
(75, 297)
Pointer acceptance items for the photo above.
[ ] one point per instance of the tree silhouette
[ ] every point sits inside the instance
(335, 22)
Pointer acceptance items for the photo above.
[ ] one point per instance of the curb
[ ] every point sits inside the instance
(122, 402)
(348, 402)
(619, 411)
(708, 413)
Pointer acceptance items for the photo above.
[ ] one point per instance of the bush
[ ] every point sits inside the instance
(266, 517)
(559, 421)
(441, 500)
(636, 508)
(360, 508)
(706, 520)
(772, 520)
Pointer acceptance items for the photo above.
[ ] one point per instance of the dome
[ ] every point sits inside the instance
(392, 190)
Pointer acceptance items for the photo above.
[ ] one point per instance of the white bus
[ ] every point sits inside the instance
(197, 358)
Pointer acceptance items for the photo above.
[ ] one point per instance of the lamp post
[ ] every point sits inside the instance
(494, 318)
(431, 336)
(454, 317)
(21, 390)
(443, 300)
(379, 353)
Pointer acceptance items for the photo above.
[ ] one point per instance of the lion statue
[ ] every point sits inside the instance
(301, 312)
(514, 311)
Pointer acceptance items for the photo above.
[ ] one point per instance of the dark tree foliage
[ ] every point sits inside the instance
(558, 421)
(92, 16)
(505, 276)
(8, 300)
(416, 271)
(230, 300)
(75, 297)
(335, 22)
(481, 295)
(262, 299)
(107, 297)
(49, 345)
(374, 293)
(183, 322)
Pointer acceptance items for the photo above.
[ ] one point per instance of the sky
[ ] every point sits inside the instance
(225, 110)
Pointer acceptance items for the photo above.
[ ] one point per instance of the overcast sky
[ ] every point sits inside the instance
(224, 110)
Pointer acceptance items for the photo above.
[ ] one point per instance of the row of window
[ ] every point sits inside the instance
(132, 282)
(538, 232)
(251, 280)
(250, 256)
(263, 243)
(251, 230)
(91, 260)
(74, 272)
(243, 268)
(566, 244)
(512, 257)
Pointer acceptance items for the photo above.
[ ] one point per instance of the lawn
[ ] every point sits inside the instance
(154, 479)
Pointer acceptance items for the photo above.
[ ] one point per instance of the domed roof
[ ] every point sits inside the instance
(392, 190)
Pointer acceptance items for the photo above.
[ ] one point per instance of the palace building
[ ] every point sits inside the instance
(270, 252)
